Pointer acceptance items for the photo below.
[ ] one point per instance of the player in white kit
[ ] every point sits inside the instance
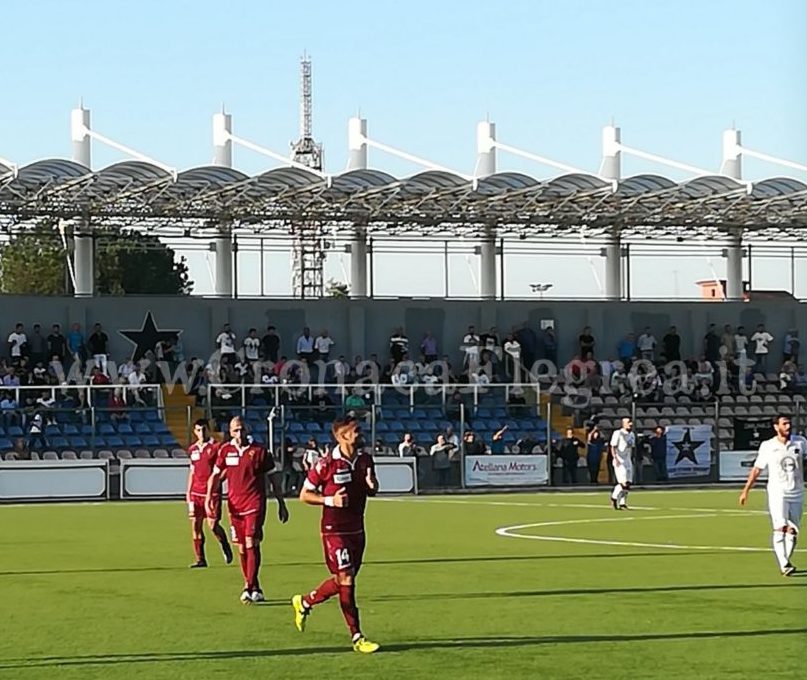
(623, 442)
(783, 457)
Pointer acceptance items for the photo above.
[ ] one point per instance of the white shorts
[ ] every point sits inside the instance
(785, 511)
(623, 473)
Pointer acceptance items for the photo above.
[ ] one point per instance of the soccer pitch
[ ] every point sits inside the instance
(682, 586)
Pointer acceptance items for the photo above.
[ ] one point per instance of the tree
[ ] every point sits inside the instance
(33, 262)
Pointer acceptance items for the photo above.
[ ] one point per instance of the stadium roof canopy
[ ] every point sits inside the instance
(136, 193)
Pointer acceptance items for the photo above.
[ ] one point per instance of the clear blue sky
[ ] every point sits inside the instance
(550, 74)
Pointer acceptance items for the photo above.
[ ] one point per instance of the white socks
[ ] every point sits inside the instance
(780, 549)
(620, 494)
(790, 544)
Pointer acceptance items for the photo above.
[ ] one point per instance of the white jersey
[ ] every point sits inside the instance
(624, 443)
(785, 465)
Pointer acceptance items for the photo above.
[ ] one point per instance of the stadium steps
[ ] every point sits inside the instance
(176, 412)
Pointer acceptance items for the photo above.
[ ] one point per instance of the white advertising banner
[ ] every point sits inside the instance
(735, 465)
(58, 481)
(506, 470)
(396, 475)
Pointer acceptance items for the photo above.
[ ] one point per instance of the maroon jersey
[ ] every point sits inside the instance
(203, 459)
(245, 470)
(334, 472)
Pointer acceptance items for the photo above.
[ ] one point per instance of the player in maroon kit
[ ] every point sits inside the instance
(340, 482)
(202, 454)
(245, 465)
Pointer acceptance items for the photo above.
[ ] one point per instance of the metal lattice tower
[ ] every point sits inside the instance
(308, 237)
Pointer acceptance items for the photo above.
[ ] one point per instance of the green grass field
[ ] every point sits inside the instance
(103, 591)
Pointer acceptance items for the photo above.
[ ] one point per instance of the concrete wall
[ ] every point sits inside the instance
(364, 326)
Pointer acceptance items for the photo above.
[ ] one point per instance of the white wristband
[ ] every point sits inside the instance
(328, 500)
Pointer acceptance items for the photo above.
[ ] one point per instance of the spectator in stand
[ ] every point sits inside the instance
(429, 347)
(8, 408)
(36, 432)
(135, 380)
(252, 346)
(568, 450)
(550, 347)
(117, 405)
(741, 343)
(407, 446)
(526, 445)
(97, 378)
(11, 379)
(440, 453)
(470, 346)
(705, 374)
(398, 345)
(620, 386)
(357, 405)
(711, 344)
(97, 344)
(17, 342)
(749, 381)
(225, 342)
(658, 451)
(472, 445)
(305, 346)
(586, 342)
(37, 347)
(489, 343)
(672, 345)
(75, 343)
(342, 370)
(528, 340)
(19, 451)
(451, 437)
(800, 381)
(270, 345)
(626, 350)
(762, 340)
(786, 376)
(791, 346)
(646, 344)
(512, 358)
(595, 443)
(497, 442)
(727, 343)
(323, 344)
(57, 344)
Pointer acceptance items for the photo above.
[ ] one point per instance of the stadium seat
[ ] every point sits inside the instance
(87, 430)
(59, 442)
(5, 443)
(159, 427)
(52, 430)
(142, 453)
(161, 453)
(150, 440)
(178, 453)
(151, 415)
(123, 454)
(69, 454)
(132, 440)
(105, 428)
(69, 429)
(114, 441)
(124, 428)
(50, 455)
(10, 456)
(105, 454)
(15, 431)
(86, 455)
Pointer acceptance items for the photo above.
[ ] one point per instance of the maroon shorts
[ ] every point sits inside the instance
(343, 552)
(245, 525)
(197, 509)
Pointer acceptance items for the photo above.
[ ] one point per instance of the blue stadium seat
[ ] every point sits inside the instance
(86, 430)
(14, 431)
(151, 415)
(5, 443)
(105, 428)
(58, 442)
(69, 429)
(142, 428)
(125, 428)
(78, 442)
(420, 414)
(414, 426)
(483, 412)
(168, 440)
(381, 426)
(403, 413)
(135, 416)
(114, 442)
(132, 441)
(99, 441)
(159, 427)
(396, 426)
(296, 427)
(63, 416)
(313, 428)
(52, 430)
(499, 412)
(150, 440)
(260, 427)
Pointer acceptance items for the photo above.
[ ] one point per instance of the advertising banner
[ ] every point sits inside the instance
(749, 433)
(506, 470)
(735, 465)
(689, 450)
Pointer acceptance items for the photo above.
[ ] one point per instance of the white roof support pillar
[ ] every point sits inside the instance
(611, 154)
(222, 139)
(485, 149)
(79, 136)
(732, 165)
(357, 144)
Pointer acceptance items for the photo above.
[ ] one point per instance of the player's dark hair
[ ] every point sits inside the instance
(341, 423)
(780, 416)
(201, 422)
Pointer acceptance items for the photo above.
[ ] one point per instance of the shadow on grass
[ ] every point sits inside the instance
(632, 590)
(417, 560)
(496, 642)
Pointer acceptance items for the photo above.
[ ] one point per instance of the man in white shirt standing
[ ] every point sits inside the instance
(783, 457)
(623, 442)
(16, 343)
(761, 340)
(646, 344)
(323, 344)
(252, 345)
(226, 343)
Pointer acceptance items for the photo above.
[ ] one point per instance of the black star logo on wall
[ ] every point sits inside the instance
(146, 339)
(686, 448)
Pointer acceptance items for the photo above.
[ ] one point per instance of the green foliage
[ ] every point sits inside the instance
(33, 263)
(337, 289)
